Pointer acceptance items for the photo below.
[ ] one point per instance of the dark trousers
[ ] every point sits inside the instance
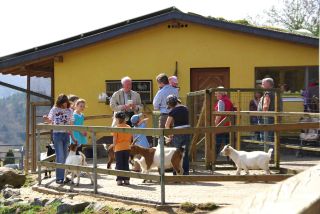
(180, 141)
(221, 139)
(122, 163)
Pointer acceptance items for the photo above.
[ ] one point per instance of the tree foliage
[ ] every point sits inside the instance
(9, 159)
(296, 14)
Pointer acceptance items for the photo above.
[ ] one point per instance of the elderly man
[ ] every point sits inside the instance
(126, 100)
(160, 100)
(267, 103)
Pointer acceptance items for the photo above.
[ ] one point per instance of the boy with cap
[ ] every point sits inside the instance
(138, 121)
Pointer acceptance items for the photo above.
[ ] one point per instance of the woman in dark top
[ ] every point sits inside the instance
(179, 118)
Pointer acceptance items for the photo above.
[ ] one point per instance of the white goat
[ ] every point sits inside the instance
(74, 159)
(248, 160)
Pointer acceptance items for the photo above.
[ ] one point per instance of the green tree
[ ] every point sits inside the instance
(9, 159)
(296, 14)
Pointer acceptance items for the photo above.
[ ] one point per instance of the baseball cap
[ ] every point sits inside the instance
(135, 118)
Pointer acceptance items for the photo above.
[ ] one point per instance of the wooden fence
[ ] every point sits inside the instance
(160, 133)
(201, 114)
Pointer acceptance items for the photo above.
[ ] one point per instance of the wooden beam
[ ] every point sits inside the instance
(225, 178)
(95, 117)
(101, 170)
(158, 131)
(244, 128)
(207, 122)
(27, 149)
(269, 113)
(28, 91)
(50, 158)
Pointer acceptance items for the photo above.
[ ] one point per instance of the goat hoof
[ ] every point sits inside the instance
(144, 181)
(77, 184)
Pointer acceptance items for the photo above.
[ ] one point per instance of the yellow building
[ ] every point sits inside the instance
(203, 52)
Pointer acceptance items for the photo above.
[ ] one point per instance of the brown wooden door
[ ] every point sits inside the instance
(204, 78)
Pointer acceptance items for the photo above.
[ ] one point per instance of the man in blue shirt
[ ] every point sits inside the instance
(160, 100)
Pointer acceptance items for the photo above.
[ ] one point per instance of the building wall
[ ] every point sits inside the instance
(148, 52)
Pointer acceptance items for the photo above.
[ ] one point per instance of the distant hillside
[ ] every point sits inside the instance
(13, 119)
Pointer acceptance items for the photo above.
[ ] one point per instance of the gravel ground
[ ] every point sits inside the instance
(224, 193)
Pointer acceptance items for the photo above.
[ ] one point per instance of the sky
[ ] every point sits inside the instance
(27, 24)
(30, 23)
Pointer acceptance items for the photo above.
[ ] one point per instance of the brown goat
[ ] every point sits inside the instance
(112, 155)
(151, 158)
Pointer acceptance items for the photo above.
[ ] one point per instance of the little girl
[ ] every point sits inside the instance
(60, 114)
(78, 137)
(121, 142)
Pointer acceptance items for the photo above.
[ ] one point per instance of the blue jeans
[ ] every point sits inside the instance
(61, 143)
(179, 141)
(222, 138)
(266, 136)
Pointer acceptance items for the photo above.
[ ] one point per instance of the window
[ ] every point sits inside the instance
(290, 79)
(143, 87)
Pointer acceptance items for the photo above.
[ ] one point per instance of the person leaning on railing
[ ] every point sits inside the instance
(179, 118)
(267, 103)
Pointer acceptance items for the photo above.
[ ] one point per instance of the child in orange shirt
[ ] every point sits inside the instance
(121, 142)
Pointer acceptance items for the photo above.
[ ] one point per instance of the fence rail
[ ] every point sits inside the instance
(161, 133)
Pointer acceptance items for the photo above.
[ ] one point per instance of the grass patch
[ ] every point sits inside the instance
(30, 209)
(30, 181)
(19, 208)
(111, 210)
(188, 207)
(208, 206)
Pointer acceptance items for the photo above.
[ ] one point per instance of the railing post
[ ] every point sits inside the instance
(33, 133)
(276, 133)
(238, 145)
(94, 150)
(162, 175)
(38, 143)
(208, 143)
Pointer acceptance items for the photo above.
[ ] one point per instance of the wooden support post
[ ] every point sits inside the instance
(276, 133)
(208, 145)
(33, 139)
(95, 175)
(27, 146)
(38, 143)
(162, 175)
(213, 135)
(238, 145)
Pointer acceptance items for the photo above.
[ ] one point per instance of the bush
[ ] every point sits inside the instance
(188, 207)
(9, 159)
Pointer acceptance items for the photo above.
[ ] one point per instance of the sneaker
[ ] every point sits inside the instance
(59, 181)
(119, 183)
(126, 182)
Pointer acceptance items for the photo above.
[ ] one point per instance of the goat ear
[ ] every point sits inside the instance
(228, 145)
